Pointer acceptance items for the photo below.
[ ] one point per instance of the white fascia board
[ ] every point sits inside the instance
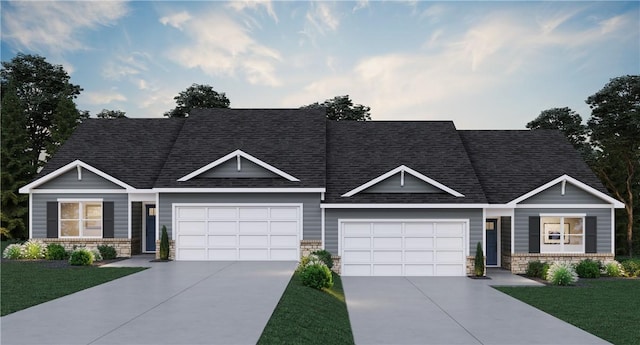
(564, 206)
(403, 205)
(239, 190)
(403, 169)
(235, 154)
(79, 191)
(75, 164)
(573, 181)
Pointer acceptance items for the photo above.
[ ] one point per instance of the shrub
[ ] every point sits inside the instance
(96, 254)
(588, 268)
(478, 261)
(311, 259)
(325, 256)
(13, 252)
(631, 267)
(537, 269)
(562, 274)
(317, 276)
(107, 252)
(56, 252)
(81, 257)
(614, 269)
(34, 250)
(164, 244)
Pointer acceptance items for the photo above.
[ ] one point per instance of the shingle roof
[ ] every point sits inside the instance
(292, 140)
(361, 151)
(131, 150)
(510, 163)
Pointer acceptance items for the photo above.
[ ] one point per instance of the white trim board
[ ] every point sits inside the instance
(239, 190)
(73, 165)
(402, 170)
(237, 154)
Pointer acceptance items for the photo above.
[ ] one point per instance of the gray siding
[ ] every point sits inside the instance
(230, 169)
(521, 241)
(120, 203)
(572, 195)
(310, 201)
(411, 185)
(69, 180)
(332, 216)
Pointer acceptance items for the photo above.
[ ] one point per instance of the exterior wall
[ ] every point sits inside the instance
(522, 225)
(69, 180)
(519, 261)
(309, 246)
(122, 245)
(39, 211)
(332, 216)
(411, 185)
(136, 228)
(230, 169)
(572, 195)
(311, 222)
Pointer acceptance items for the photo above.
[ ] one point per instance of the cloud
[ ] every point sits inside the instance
(56, 26)
(220, 46)
(176, 20)
(254, 5)
(125, 65)
(360, 4)
(102, 97)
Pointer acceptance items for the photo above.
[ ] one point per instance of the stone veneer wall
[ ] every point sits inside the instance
(121, 245)
(470, 265)
(505, 261)
(519, 261)
(172, 250)
(309, 246)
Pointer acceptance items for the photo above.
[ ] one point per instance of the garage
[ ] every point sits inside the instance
(237, 232)
(403, 247)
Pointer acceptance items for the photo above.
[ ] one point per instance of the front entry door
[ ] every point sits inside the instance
(150, 230)
(492, 242)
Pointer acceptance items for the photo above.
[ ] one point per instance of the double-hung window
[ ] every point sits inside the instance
(562, 233)
(80, 219)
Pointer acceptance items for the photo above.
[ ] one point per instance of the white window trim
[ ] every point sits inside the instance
(81, 203)
(562, 216)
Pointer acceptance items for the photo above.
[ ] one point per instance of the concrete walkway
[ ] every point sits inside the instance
(170, 303)
(456, 310)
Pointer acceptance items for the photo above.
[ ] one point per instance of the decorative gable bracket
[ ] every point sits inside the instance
(402, 170)
(238, 154)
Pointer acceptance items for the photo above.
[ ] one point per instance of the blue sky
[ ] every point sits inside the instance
(481, 64)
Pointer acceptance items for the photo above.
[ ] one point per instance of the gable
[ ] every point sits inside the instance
(67, 173)
(571, 195)
(396, 184)
(79, 178)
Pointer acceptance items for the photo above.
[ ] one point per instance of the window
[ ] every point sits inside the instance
(562, 233)
(81, 219)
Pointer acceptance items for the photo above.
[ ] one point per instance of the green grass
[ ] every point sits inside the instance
(27, 283)
(309, 316)
(607, 308)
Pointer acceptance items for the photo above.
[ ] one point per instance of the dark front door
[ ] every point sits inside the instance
(150, 232)
(492, 241)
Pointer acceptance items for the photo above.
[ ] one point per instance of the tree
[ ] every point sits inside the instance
(568, 122)
(197, 96)
(341, 108)
(111, 114)
(614, 127)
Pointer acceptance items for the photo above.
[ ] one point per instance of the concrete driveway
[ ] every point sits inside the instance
(170, 303)
(430, 310)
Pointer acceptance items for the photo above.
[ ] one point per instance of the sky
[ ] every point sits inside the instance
(484, 65)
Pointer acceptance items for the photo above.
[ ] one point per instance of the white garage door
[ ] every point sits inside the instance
(403, 248)
(237, 232)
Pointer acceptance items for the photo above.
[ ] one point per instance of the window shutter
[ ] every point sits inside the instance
(534, 234)
(52, 219)
(591, 233)
(107, 219)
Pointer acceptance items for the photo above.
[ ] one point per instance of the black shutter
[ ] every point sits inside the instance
(107, 219)
(534, 234)
(591, 230)
(52, 219)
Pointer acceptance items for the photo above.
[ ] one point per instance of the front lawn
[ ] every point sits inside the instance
(309, 316)
(26, 283)
(607, 308)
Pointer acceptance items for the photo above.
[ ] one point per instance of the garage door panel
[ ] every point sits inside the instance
(387, 229)
(218, 241)
(223, 254)
(253, 241)
(418, 242)
(284, 241)
(253, 254)
(284, 227)
(284, 254)
(449, 242)
(388, 256)
(223, 213)
(192, 241)
(192, 228)
(253, 227)
(415, 256)
(387, 242)
(449, 270)
(356, 256)
(387, 270)
(423, 229)
(284, 213)
(249, 213)
(357, 242)
(449, 229)
(191, 213)
(193, 254)
(354, 229)
(357, 270)
(222, 227)
(418, 270)
(448, 256)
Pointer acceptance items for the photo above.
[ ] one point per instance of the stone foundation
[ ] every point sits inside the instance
(337, 264)
(505, 261)
(172, 250)
(309, 246)
(519, 261)
(121, 245)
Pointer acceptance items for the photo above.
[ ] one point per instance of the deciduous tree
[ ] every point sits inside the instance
(568, 122)
(111, 114)
(341, 108)
(197, 96)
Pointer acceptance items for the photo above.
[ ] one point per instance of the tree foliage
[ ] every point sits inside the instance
(111, 114)
(341, 108)
(197, 96)
(567, 121)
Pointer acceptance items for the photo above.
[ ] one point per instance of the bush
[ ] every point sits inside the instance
(631, 267)
(34, 250)
(107, 252)
(614, 269)
(588, 268)
(478, 261)
(81, 257)
(56, 252)
(312, 259)
(96, 254)
(537, 269)
(13, 252)
(561, 274)
(317, 276)
(164, 244)
(325, 256)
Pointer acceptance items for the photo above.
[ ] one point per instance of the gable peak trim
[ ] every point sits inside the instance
(78, 165)
(238, 154)
(402, 170)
